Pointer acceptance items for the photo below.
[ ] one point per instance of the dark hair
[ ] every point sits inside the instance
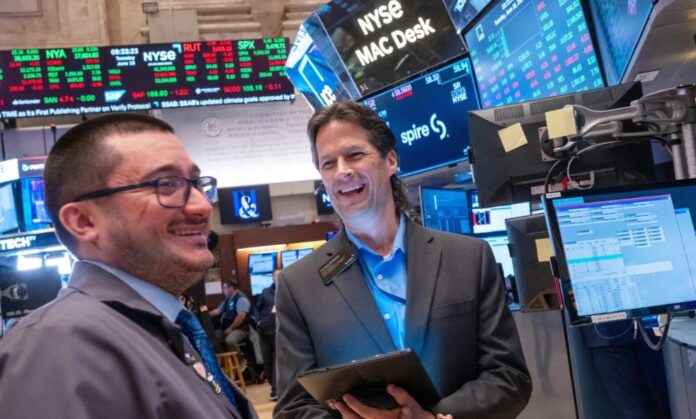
(80, 161)
(231, 283)
(380, 137)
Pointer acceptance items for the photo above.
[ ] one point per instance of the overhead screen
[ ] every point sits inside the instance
(427, 116)
(8, 209)
(381, 43)
(530, 49)
(247, 204)
(626, 253)
(618, 25)
(83, 80)
(464, 11)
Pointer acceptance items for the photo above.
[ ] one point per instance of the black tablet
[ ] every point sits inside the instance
(367, 379)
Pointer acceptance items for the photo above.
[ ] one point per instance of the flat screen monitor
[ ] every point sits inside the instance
(330, 235)
(322, 199)
(499, 245)
(9, 222)
(261, 267)
(381, 43)
(290, 256)
(625, 252)
(24, 291)
(426, 116)
(618, 25)
(82, 80)
(35, 214)
(531, 49)
(519, 175)
(245, 204)
(492, 220)
(464, 11)
(446, 209)
(529, 248)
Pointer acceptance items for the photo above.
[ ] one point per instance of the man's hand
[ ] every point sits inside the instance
(351, 408)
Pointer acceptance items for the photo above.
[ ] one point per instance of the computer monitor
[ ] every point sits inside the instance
(618, 25)
(245, 204)
(261, 267)
(290, 256)
(529, 249)
(35, 214)
(426, 116)
(322, 199)
(446, 209)
(625, 252)
(24, 291)
(519, 175)
(464, 11)
(525, 49)
(492, 220)
(9, 223)
(499, 246)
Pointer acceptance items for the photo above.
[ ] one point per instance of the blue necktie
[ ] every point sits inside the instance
(193, 330)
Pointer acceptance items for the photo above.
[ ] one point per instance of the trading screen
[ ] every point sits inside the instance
(530, 49)
(82, 80)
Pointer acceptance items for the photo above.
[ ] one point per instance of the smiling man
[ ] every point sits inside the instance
(129, 203)
(437, 293)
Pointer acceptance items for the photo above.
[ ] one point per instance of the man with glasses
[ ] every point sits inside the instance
(129, 203)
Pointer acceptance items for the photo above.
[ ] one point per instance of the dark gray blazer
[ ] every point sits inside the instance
(79, 358)
(457, 321)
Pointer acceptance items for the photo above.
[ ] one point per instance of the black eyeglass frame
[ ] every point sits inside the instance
(101, 193)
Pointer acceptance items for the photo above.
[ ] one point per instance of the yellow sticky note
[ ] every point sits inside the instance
(543, 247)
(561, 123)
(512, 137)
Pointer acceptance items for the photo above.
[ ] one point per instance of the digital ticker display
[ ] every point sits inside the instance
(530, 49)
(428, 117)
(82, 80)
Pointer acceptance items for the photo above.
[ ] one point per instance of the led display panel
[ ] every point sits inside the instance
(83, 80)
(427, 116)
(531, 49)
(464, 11)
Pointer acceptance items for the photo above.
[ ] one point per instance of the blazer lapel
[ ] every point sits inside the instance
(423, 262)
(351, 285)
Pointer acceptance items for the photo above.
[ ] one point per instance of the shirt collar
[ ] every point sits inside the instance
(399, 239)
(163, 301)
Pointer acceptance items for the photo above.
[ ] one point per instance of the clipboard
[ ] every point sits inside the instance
(367, 379)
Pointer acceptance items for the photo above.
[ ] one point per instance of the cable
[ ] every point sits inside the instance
(548, 175)
(648, 341)
(630, 326)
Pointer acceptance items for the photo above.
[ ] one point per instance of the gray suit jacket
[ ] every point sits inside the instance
(78, 357)
(457, 321)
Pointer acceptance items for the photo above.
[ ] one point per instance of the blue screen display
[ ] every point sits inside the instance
(464, 11)
(531, 49)
(261, 267)
(629, 250)
(428, 116)
(8, 210)
(446, 210)
(34, 204)
(247, 204)
(618, 24)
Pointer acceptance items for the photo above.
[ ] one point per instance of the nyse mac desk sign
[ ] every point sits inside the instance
(428, 116)
(382, 42)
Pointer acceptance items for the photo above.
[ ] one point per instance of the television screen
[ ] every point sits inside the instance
(492, 220)
(426, 116)
(446, 209)
(518, 175)
(35, 214)
(464, 11)
(383, 43)
(246, 204)
(625, 252)
(321, 198)
(531, 49)
(24, 291)
(618, 25)
(261, 267)
(530, 250)
(82, 80)
(9, 222)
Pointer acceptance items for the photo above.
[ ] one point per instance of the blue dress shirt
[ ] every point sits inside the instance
(386, 279)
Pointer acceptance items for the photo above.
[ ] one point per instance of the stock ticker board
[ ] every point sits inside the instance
(83, 80)
(531, 49)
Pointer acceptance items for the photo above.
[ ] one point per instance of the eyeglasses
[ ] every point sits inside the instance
(172, 191)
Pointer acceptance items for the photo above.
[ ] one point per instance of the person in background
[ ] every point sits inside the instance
(407, 286)
(131, 206)
(266, 325)
(234, 316)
